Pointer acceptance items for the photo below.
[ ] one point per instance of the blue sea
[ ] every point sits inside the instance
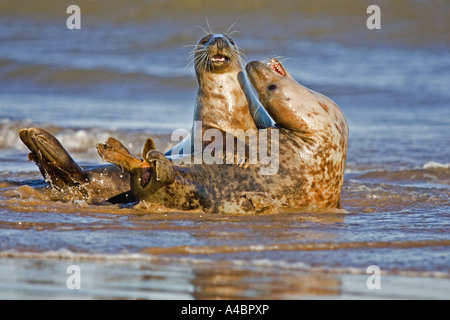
(126, 74)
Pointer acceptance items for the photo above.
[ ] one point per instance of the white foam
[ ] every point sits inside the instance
(436, 165)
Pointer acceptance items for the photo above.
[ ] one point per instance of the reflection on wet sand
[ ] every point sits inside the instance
(27, 277)
(34, 278)
(225, 283)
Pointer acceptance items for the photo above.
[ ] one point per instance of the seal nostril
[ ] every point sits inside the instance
(272, 87)
(221, 43)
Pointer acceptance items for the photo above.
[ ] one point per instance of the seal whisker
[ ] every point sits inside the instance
(189, 63)
(195, 52)
(234, 31)
(202, 61)
(191, 60)
(280, 58)
(189, 45)
(198, 56)
(210, 29)
(242, 55)
(227, 30)
(239, 58)
(196, 61)
(269, 57)
(204, 30)
(238, 54)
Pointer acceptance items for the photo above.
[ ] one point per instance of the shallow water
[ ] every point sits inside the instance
(123, 75)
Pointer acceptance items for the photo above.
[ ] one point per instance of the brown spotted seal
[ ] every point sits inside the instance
(310, 139)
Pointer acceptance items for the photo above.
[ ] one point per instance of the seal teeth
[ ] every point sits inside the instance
(276, 66)
(218, 58)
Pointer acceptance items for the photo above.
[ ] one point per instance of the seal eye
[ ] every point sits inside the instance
(231, 40)
(272, 87)
(205, 39)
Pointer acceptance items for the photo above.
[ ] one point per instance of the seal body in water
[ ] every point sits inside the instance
(310, 140)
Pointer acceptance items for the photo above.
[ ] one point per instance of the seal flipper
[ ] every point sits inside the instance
(163, 167)
(260, 202)
(54, 162)
(114, 152)
(148, 175)
(259, 114)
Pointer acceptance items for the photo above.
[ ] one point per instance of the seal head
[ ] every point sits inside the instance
(216, 53)
(225, 100)
(292, 105)
(221, 103)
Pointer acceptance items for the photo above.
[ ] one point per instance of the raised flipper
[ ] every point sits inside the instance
(259, 114)
(148, 175)
(114, 152)
(54, 162)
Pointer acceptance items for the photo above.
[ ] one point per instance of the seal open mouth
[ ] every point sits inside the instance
(218, 58)
(276, 66)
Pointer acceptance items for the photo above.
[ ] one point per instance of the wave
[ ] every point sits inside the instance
(66, 254)
(431, 173)
(81, 141)
(436, 165)
(315, 246)
(134, 78)
(394, 197)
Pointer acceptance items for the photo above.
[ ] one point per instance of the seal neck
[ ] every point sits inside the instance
(221, 102)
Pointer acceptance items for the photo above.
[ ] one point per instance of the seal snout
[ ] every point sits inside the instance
(216, 51)
(219, 42)
(254, 67)
(219, 47)
(259, 74)
(265, 69)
